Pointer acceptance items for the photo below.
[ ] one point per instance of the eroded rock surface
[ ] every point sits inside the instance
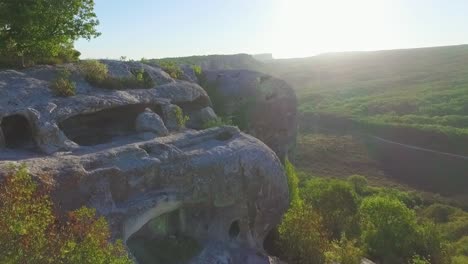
(98, 115)
(264, 106)
(214, 177)
(108, 149)
(149, 121)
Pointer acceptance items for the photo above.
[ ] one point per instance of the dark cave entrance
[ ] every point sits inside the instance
(103, 126)
(271, 245)
(17, 132)
(234, 229)
(195, 105)
(162, 241)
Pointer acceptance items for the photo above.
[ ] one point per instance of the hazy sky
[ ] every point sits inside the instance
(286, 28)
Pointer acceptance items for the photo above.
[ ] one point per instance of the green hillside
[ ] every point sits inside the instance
(422, 90)
(215, 62)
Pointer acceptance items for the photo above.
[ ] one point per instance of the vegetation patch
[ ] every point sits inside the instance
(168, 250)
(172, 68)
(390, 93)
(40, 34)
(219, 121)
(31, 233)
(180, 117)
(62, 85)
(346, 220)
(97, 74)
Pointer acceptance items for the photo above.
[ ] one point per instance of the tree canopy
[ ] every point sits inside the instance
(31, 233)
(44, 28)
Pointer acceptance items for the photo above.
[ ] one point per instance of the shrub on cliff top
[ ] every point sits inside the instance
(62, 85)
(97, 74)
(30, 232)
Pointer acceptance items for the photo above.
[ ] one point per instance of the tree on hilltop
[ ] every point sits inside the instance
(31, 30)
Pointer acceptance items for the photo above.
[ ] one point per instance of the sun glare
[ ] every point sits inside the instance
(308, 27)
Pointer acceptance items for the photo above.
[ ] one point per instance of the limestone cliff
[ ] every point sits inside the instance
(124, 153)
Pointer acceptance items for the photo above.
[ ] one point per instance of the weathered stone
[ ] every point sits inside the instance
(218, 176)
(200, 118)
(2, 139)
(225, 187)
(264, 106)
(121, 69)
(173, 115)
(149, 121)
(189, 73)
(27, 94)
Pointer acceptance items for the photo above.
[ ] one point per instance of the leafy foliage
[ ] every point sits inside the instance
(97, 74)
(385, 224)
(32, 30)
(180, 117)
(62, 86)
(172, 69)
(94, 71)
(359, 183)
(293, 184)
(303, 238)
(336, 202)
(344, 251)
(388, 229)
(30, 233)
(220, 121)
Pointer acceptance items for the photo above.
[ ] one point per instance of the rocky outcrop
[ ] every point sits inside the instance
(149, 121)
(54, 124)
(213, 179)
(108, 149)
(261, 105)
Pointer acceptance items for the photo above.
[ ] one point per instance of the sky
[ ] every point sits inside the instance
(286, 28)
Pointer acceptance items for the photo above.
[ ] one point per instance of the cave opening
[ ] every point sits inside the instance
(162, 240)
(17, 132)
(271, 245)
(234, 229)
(103, 126)
(195, 105)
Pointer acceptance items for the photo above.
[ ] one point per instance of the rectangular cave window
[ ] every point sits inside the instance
(103, 126)
(17, 132)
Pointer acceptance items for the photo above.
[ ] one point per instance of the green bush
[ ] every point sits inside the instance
(302, 236)
(30, 232)
(439, 213)
(389, 229)
(359, 184)
(173, 69)
(180, 117)
(460, 260)
(62, 85)
(336, 202)
(461, 246)
(220, 121)
(416, 259)
(293, 184)
(431, 245)
(143, 78)
(344, 251)
(97, 74)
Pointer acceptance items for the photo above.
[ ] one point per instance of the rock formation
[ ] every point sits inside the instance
(125, 153)
(265, 107)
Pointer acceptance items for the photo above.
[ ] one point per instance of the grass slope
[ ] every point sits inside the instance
(216, 62)
(421, 89)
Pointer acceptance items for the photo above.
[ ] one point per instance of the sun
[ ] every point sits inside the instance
(308, 27)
